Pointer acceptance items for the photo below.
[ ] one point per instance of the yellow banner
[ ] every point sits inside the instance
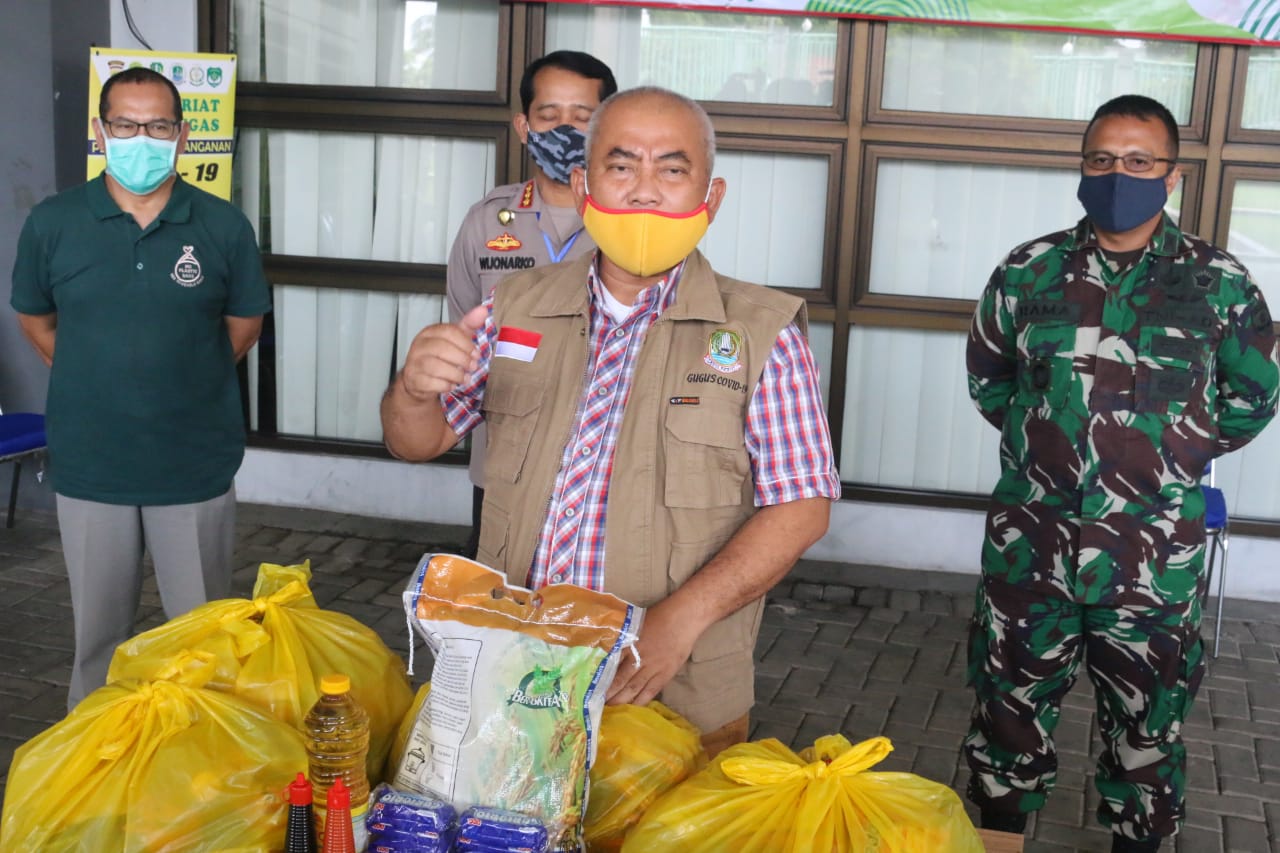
(207, 83)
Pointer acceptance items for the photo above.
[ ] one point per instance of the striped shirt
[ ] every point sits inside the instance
(786, 432)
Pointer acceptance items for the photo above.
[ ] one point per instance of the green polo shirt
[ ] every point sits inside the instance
(144, 403)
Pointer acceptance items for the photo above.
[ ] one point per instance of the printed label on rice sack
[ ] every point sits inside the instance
(516, 692)
(434, 748)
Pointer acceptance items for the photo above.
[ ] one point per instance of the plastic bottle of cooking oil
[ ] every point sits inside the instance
(337, 730)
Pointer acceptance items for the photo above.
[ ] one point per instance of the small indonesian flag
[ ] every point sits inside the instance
(520, 344)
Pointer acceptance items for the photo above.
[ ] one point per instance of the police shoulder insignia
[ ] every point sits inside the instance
(724, 349)
(526, 198)
(504, 242)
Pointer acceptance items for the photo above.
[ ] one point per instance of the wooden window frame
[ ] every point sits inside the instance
(1194, 131)
(855, 132)
(378, 271)
(834, 152)
(1236, 131)
(894, 309)
(835, 112)
(1232, 174)
(214, 29)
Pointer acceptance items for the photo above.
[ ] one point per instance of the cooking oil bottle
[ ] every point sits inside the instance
(337, 730)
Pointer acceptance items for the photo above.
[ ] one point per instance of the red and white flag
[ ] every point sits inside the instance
(520, 344)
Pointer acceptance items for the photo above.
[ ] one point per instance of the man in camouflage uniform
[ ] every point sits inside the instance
(535, 222)
(1117, 358)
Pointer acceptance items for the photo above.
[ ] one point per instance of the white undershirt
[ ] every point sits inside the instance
(616, 309)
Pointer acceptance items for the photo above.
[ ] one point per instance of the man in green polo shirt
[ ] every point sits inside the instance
(152, 290)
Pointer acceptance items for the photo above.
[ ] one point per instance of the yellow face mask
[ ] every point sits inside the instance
(644, 242)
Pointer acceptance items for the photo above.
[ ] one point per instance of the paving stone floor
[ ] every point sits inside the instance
(861, 650)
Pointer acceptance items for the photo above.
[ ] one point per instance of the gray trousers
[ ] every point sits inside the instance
(190, 545)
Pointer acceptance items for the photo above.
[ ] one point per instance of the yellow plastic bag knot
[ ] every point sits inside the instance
(192, 668)
(853, 759)
(273, 577)
(291, 591)
(149, 712)
(834, 755)
(763, 771)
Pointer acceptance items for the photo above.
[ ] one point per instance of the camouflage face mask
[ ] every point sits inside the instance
(558, 150)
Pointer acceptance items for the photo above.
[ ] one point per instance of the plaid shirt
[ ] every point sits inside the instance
(786, 431)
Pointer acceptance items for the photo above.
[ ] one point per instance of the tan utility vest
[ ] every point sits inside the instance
(681, 482)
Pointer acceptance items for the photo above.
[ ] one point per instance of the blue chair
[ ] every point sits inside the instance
(1215, 528)
(21, 436)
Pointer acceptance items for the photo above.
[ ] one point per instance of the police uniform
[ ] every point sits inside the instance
(1113, 387)
(509, 230)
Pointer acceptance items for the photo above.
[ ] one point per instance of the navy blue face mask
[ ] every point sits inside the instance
(1116, 202)
(558, 150)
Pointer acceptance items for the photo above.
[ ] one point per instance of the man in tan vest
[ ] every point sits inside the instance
(656, 430)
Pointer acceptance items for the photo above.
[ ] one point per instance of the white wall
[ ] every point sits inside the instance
(873, 534)
(374, 487)
(165, 24)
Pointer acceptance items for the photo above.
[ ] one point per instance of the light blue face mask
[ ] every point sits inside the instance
(140, 164)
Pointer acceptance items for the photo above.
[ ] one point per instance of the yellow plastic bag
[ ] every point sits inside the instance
(151, 766)
(763, 798)
(272, 651)
(404, 730)
(643, 752)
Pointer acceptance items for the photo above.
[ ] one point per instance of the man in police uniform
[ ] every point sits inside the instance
(1117, 358)
(535, 222)
(151, 290)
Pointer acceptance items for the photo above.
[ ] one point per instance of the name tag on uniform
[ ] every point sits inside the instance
(520, 344)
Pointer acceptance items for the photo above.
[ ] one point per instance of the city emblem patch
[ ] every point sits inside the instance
(504, 242)
(723, 351)
(186, 271)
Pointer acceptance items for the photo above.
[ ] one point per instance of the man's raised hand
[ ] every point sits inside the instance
(442, 356)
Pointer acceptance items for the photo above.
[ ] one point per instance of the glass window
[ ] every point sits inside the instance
(1248, 476)
(908, 420)
(1001, 72)
(330, 354)
(360, 195)
(940, 228)
(449, 44)
(716, 56)
(821, 337)
(770, 229)
(1255, 234)
(1262, 90)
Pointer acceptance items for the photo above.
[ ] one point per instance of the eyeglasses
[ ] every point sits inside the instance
(1102, 161)
(123, 128)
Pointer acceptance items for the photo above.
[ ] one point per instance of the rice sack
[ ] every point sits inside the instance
(517, 691)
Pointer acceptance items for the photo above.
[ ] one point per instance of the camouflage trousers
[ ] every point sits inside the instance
(1146, 664)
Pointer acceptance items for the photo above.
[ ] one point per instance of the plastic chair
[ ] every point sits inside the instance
(21, 436)
(1216, 524)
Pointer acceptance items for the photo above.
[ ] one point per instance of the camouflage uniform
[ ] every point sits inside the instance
(1112, 388)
